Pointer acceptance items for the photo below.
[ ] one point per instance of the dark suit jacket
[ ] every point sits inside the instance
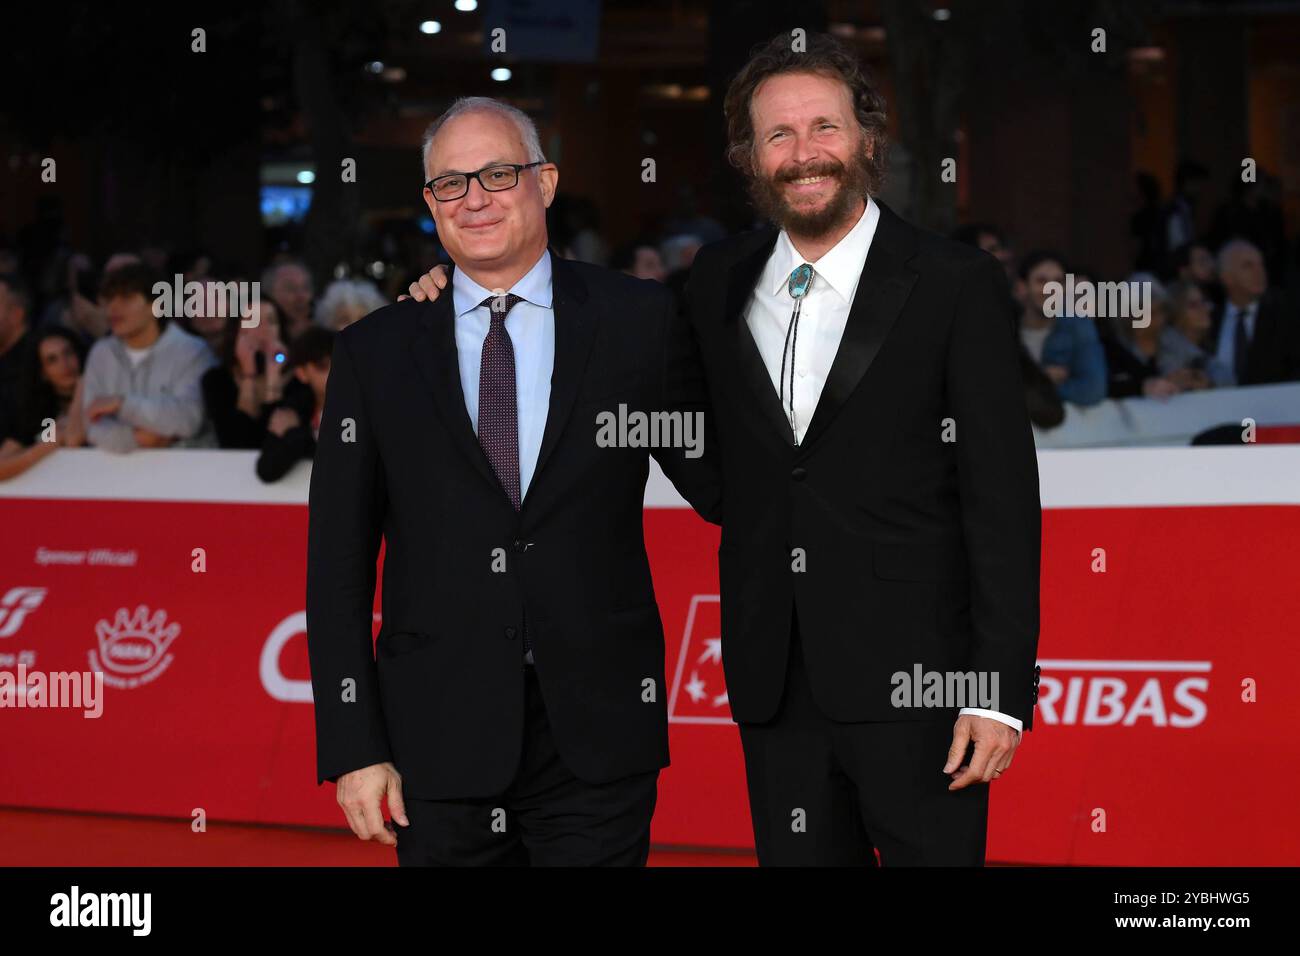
(1274, 354)
(917, 550)
(444, 699)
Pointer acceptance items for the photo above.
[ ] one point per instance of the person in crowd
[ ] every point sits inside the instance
(289, 287)
(1193, 262)
(991, 239)
(639, 259)
(1256, 334)
(1065, 346)
(210, 326)
(345, 301)
(1255, 214)
(49, 403)
(1046, 410)
(1180, 215)
(249, 379)
(73, 300)
(295, 422)
(1184, 356)
(1132, 349)
(16, 343)
(141, 386)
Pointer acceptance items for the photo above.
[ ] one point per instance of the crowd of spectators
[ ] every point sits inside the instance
(100, 363)
(90, 362)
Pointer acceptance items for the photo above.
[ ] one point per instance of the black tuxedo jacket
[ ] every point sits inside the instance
(440, 692)
(916, 551)
(1274, 354)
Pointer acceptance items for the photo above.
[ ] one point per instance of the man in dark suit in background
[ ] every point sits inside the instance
(516, 711)
(880, 486)
(1255, 334)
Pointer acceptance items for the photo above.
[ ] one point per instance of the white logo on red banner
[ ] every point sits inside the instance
(16, 605)
(1094, 694)
(133, 649)
(699, 691)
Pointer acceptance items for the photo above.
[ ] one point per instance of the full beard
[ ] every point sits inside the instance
(769, 196)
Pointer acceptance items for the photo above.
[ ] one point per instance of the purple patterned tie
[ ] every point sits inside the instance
(498, 412)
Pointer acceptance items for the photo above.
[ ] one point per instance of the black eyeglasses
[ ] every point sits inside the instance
(492, 178)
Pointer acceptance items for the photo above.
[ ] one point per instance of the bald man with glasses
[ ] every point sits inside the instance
(512, 709)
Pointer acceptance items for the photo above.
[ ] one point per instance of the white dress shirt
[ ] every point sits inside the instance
(822, 319)
(531, 326)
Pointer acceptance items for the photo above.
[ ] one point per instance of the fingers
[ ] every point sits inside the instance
(416, 292)
(960, 741)
(978, 771)
(429, 287)
(440, 275)
(375, 824)
(396, 805)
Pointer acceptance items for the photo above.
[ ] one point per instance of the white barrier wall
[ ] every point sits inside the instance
(1068, 478)
(1171, 421)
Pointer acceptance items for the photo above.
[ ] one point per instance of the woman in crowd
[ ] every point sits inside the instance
(345, 301)
(1184, 345)
(294, 425)
(49, 410)
(248, 379)
(1131, 351)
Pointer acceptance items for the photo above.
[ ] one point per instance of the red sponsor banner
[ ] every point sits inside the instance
(1164, 733)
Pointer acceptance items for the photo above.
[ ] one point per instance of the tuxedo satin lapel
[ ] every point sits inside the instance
(575, 327)
(435, 357)
(741, 279)
(883, 288)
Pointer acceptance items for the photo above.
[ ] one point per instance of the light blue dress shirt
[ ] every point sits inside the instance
(531, 326)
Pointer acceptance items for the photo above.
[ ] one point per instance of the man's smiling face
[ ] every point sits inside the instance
(485, 228)
(810, 153)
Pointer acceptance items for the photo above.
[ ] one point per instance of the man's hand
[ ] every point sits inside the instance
(100, 407)
(147, 439)
(1159, 388)
(1059, 374)
(429, 285)
(281, 420)
(995, 747)
(359, 794)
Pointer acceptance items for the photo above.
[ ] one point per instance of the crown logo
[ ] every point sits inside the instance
(134, 642)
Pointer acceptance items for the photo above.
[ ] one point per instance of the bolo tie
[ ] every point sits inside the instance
(799, 283)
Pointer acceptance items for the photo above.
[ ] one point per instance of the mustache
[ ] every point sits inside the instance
(788, 174)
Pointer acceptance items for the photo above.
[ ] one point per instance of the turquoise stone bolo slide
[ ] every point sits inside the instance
(800, 280)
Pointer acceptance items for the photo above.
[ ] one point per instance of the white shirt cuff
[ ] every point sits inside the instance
(1011, 722)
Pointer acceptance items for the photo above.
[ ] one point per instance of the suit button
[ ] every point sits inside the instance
(799, 473)
(510, 633)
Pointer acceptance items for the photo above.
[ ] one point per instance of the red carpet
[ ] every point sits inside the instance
(51, 838)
